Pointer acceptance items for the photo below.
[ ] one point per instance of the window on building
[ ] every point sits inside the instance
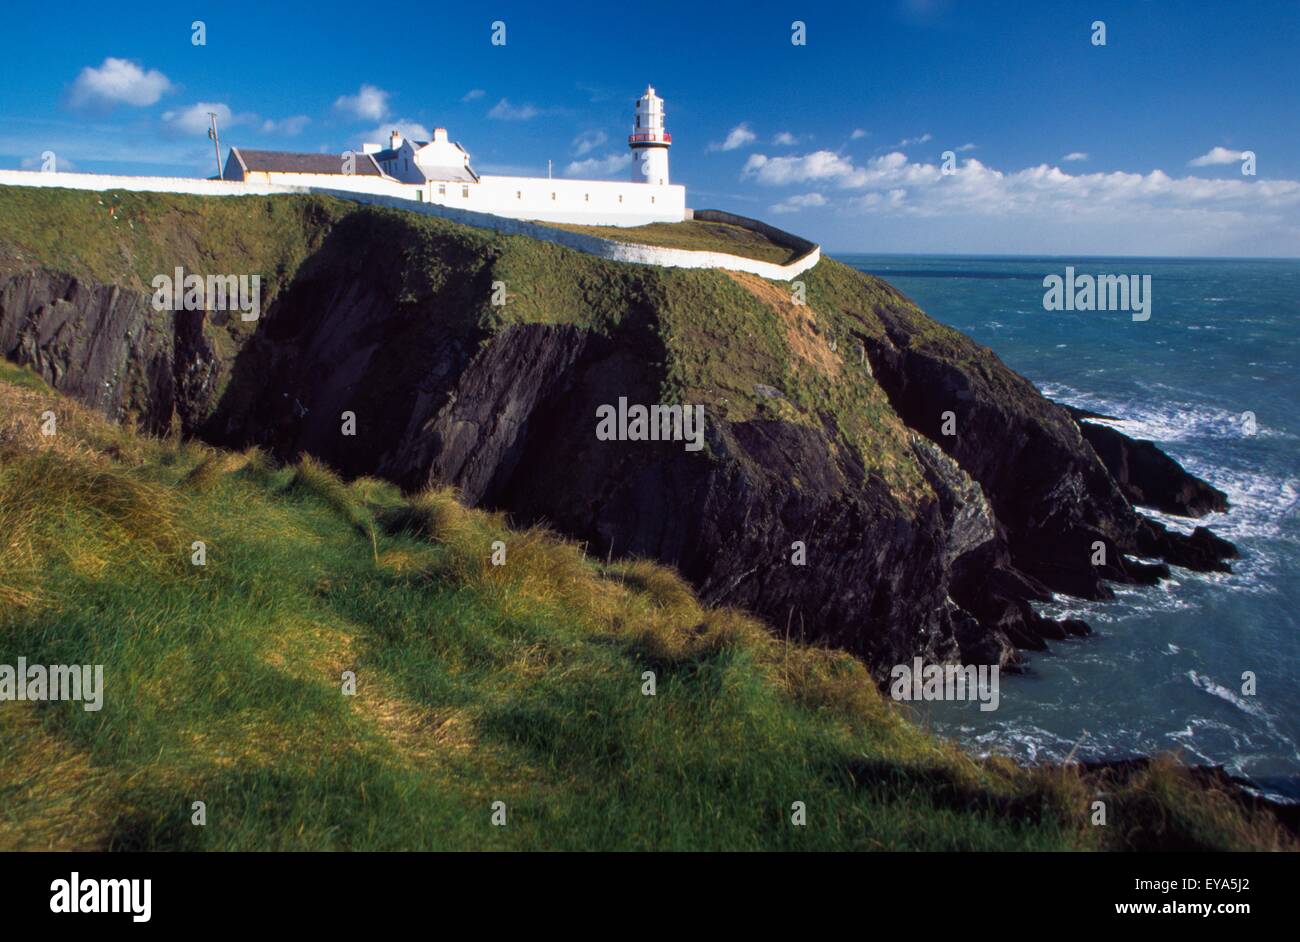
(552, 196)
(519, 194)
(620, 197)
(442, 189)
(652, 199)
(464, 191)
(586, 197)
(406, 163)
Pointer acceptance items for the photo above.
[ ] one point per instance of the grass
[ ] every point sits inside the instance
(696, 235)
(475, 683)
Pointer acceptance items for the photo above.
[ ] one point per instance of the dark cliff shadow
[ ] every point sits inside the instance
(378, 323)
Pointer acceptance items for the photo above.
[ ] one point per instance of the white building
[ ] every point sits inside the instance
(439, 172)
(439, 160)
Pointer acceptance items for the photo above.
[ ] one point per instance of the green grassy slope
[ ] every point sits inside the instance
(696, 235)
(476, 683)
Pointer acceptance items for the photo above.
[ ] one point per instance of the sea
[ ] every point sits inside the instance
(1211, 377)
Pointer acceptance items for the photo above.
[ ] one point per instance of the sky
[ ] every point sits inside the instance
(940, 126)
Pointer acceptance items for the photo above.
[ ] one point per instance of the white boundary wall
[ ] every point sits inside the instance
(376, 191)
(584, 202)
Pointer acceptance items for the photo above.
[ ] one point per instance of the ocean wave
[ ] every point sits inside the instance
(1223, 693)
(1165, 422)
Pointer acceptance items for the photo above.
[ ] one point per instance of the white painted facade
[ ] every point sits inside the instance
(584, 202)
(411, 161)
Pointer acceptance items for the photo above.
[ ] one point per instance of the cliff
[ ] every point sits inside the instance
(825, 421)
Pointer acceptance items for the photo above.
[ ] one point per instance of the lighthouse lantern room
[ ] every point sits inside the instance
(649, 141)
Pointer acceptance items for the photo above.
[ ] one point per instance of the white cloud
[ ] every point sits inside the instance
(785, 139)
(368, 104)
(826, 166)
(909, 141)
(588, 141)
(474, 94)
(289, 126)
(966, 147)
(858, 134)
(979, 203)
(1074, 156)
(193, 119)
(598, 166)
(794, 204)
(1216, 156)
(404, 126)
(118, 81)
(504, 111)
(737, 137)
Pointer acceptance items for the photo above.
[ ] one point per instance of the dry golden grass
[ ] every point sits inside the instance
(215, 465)
(805, 341)
(47, 779)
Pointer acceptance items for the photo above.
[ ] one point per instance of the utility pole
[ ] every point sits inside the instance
(216, 141)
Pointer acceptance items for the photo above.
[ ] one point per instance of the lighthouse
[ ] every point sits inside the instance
(649, 141)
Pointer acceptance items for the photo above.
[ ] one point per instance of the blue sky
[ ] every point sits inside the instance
(1060, 146)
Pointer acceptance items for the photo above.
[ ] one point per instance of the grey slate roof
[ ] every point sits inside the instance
(278, 161)
(451, 174)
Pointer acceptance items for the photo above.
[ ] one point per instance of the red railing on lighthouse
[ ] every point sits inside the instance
(655, 137)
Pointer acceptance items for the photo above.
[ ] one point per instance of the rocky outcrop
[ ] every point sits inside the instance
(1065, 522)
(1145, 474)
(781, 513)
(101, 344)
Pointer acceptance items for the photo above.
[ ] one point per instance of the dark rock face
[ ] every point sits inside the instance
(1065, 522)
(102, 345)
(1146, 475)
(1018, 500)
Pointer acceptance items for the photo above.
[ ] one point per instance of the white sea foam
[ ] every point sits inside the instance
(1164, 421)
(1223, 693)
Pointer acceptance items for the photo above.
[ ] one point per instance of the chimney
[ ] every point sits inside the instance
(440, 134)
(394, 140)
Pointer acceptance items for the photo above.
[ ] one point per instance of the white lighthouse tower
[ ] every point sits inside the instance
(649, 141)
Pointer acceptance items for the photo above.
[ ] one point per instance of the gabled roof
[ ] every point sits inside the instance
(279, 161)
(439, 173)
